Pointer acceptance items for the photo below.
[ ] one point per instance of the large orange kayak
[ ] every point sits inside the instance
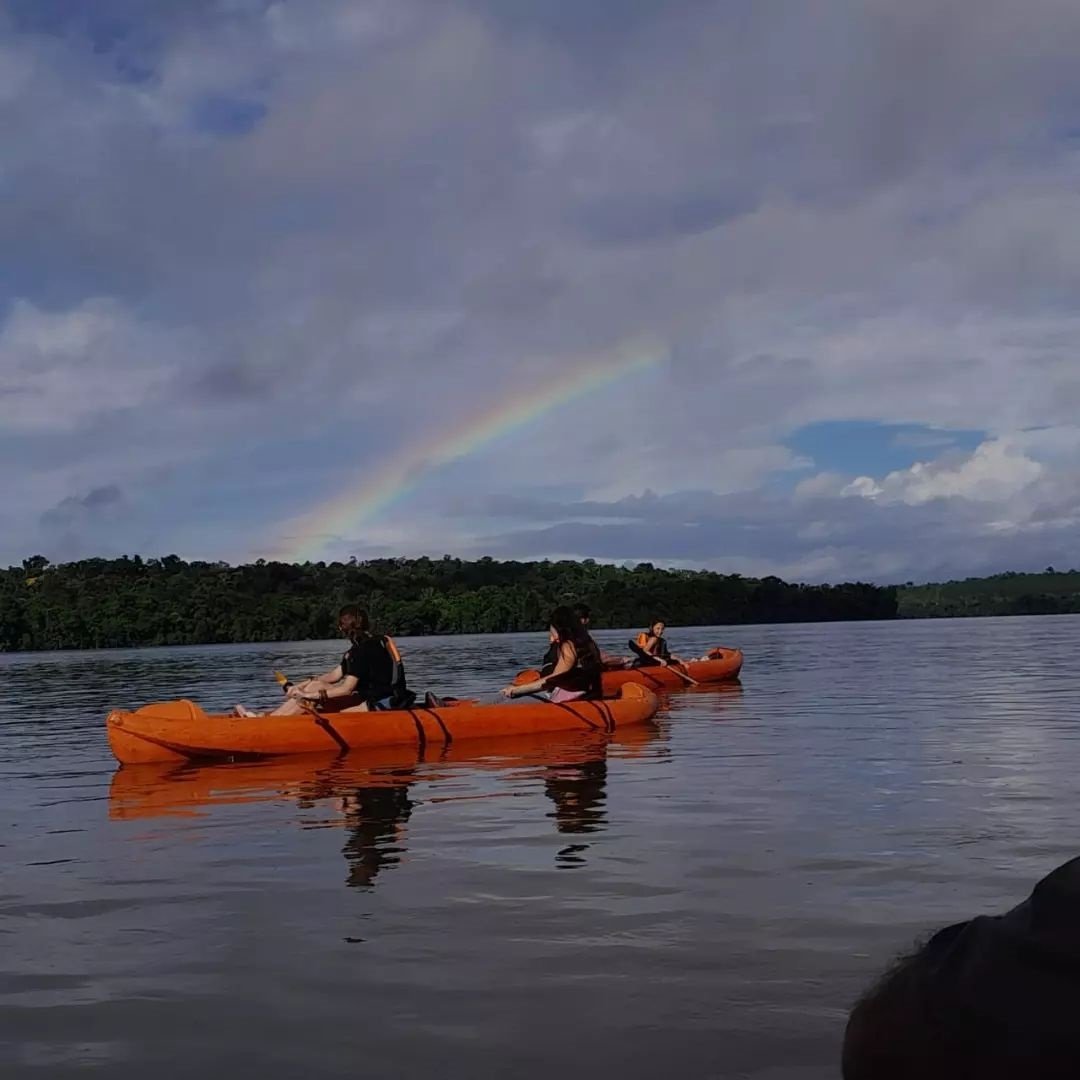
(181, 731)
(722, 665)
(164, 789)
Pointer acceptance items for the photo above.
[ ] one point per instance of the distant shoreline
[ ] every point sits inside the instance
(334, 642)
(135, 603)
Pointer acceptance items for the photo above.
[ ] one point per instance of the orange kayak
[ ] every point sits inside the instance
(181, 731)
(170, 789)
(722, 665)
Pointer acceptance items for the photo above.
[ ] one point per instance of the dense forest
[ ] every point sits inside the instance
(99, 603)
(1049, 593)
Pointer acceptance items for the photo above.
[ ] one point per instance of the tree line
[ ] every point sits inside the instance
(1053, 592)
(130, 601)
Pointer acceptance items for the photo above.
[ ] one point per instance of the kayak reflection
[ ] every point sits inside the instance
(372, 794)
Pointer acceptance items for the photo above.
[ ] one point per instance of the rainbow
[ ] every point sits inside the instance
(398, 477)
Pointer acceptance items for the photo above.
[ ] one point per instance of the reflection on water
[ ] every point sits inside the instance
(707, 894)
(375, 820)
(373, 792)
(577, 790)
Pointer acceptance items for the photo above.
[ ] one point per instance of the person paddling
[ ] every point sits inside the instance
(650, 648)
(575, 673)
(371, 675)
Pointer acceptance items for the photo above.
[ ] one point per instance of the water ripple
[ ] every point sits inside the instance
(708, 893)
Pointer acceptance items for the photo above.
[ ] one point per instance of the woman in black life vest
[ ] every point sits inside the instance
(369, 676)
(576, 670)
(584, 616)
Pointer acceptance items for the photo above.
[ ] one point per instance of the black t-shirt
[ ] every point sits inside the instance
(369, 662)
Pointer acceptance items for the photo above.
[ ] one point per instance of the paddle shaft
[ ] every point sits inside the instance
(532, 675)
(682, 674)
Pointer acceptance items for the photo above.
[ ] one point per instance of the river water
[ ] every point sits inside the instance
(707, 895)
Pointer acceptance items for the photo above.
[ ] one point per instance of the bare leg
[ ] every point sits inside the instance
(289, 707)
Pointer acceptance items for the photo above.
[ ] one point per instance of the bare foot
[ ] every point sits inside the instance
(240, 710)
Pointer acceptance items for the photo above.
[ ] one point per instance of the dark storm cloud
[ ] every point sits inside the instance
(77, 523)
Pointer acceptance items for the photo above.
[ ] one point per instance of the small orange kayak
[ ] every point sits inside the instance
(720, 665)
(181, 731)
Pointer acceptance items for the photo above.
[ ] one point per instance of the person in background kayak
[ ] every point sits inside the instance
(650, 648)
(370, 675)
(584, 614)
(575, 673)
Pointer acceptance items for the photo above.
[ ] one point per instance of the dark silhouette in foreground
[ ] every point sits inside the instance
(990, 998)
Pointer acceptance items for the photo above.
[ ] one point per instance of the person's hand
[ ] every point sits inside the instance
(507, 692)
(295, 692)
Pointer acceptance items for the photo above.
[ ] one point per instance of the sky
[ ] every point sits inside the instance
(778, 288)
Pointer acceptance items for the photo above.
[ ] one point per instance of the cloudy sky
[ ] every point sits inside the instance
(312, 278)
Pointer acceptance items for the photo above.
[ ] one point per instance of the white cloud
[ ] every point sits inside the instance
(994, 472)
(62, 369)
(697, 465)
(445, 199)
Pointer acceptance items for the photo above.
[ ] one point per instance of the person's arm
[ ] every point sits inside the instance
(345, 687)
(316, 683)
(668, 657)
(567, 659)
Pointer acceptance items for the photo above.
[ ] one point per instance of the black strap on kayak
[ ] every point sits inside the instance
(330, 730)
(653, 680)
(447, 737)
(421, 734)
(606, 714)
(568, 706)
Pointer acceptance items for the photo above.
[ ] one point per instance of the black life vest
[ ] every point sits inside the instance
(643, 657)
(376, 664)
(585, 676)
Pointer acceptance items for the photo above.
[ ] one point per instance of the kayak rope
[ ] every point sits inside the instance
(606, 715)
(421, 734)
(568, 707)
(331, 731)
(447, 737)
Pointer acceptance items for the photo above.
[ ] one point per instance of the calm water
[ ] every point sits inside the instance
(706, 896)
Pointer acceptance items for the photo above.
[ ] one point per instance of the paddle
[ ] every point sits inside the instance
(520, 679)
(532, 674)
(682, 674)
(285, 682)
